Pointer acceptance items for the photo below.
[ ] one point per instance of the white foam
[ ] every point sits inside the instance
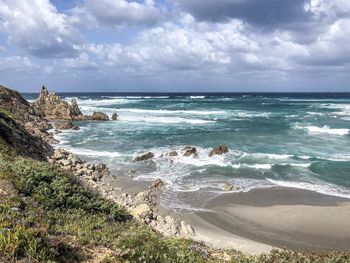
(319, 187)
(170, 112)
(166, 120)
(304, 165)
(262, 166)
(93, 153)
(325, 129)
(197, 97)
(271, 156)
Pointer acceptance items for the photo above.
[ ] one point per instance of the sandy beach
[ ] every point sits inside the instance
(262, 219)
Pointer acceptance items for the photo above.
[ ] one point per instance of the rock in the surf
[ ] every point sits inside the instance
(144, 157)
(99, 116)
(219, 150)
(115, 116)
(190, 151)
(229, 187)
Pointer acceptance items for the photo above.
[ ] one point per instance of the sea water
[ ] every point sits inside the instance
(291, 140)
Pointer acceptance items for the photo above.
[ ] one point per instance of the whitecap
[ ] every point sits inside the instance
(325, 129)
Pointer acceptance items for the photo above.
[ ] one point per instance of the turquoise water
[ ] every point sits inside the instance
(298, 141)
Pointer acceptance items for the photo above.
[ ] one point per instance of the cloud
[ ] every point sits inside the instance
(116, 13)
(80, 63)
(267, 13)
(37, 27)
(17, 64)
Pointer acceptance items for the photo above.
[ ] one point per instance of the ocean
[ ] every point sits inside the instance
(291, 140)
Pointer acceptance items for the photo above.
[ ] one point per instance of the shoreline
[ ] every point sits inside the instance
(260, 220)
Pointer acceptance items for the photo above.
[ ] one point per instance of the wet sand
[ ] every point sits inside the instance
(261, 219)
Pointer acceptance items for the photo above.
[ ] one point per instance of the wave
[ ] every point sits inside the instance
(164, 120)
(197, 97)
(197, 112)
(322, 188)
(94, 153)
(325, 129)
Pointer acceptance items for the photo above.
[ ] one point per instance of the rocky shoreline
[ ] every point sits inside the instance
(50, 112)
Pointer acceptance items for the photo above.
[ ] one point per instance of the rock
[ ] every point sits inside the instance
(157, 184)
(144, 157)
(172, 153)
(229, 187)
(64, 162)
(131, 172)
(53, 107)
(99, 116)
(190, 150)
(219, 150)
(100, 167)
(141, 211)
(186, 230)
(115, 116)
(66, 125)
(75, 111)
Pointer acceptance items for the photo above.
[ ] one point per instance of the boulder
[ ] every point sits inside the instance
(66, 125)
(141, 211)
(190, 150)
(144, 157)
(115, 116)
(64, 162)
(229, 187)
(100, 167)
(99, 116)
(172, 153)
(219, 150)
(131, 172)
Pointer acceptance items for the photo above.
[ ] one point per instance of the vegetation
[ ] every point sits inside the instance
(47, 216)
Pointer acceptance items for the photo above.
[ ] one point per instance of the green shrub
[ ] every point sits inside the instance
(52, 188)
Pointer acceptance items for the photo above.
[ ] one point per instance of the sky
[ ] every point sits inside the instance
(175, 45)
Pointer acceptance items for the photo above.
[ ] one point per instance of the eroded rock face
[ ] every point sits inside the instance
(219, 150)
(190, 151)
(66, 125)
(144, 157)
(99, 116)
(53, 107)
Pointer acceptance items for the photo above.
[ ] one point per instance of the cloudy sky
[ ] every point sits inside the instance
(175, 45)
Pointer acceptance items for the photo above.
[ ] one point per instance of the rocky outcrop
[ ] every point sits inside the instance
(53, 107)
(115, 116)
(99, 116)
(66, 125)
(219, 150)
(189, 151)
(144, 157)
(22, 127)
(90, 172)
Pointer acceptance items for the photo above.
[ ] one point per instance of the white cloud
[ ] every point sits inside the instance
(80, 63)
(17, 64)
(36, 26)
(116, 13)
